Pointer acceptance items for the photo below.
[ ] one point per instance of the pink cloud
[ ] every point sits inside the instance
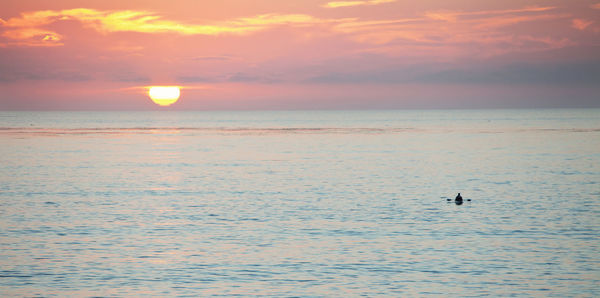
(581, 24)
(452, 16)
(336, 4)
(445, 34)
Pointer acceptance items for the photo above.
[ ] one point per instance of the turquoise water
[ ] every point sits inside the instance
(307, 203)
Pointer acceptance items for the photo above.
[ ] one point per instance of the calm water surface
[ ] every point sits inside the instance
(332, 204)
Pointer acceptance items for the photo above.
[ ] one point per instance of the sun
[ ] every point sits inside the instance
(164, 95)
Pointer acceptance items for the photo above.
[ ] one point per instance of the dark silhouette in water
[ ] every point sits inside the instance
(458, 198)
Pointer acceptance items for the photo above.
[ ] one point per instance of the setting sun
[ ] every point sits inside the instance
(164, 95)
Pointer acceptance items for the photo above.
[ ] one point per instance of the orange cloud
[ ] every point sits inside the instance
(580, 24)
(29, 25)
(336, 4)
(32, 37)
(596, 6)
(28, 33)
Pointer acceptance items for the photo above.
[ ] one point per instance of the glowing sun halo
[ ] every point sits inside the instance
(164, 95)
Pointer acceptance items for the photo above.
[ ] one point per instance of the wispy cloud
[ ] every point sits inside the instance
(449, 31)
(29, 27)
(581, 24)
(485, 32)
(66, 76)
(515, 74)
(455, 15)
(34, 37)
(596, 6)
(430, 20)
(336, 4)
(213, 58)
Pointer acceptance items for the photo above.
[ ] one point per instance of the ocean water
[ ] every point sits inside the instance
(303, 203)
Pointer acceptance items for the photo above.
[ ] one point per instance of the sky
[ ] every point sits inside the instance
(301, 54)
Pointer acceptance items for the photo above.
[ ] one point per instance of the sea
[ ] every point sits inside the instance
(300, 203)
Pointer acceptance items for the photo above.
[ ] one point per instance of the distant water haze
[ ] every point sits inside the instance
(300, 203)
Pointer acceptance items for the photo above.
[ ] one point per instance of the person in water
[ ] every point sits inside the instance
(458, 198)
